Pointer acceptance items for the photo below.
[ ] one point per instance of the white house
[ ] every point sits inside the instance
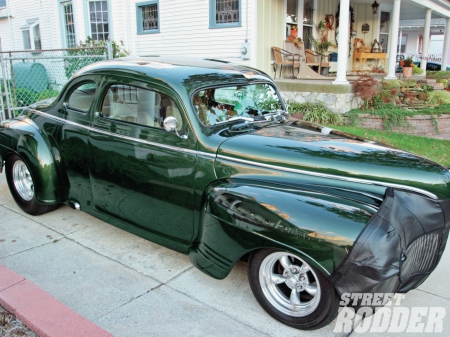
(220, 29)
(166, 27)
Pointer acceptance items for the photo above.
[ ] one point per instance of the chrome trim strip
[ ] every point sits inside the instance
(328, 176)
(206, 154)
(169, 147)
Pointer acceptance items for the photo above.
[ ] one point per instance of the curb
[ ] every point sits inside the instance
(40, 311)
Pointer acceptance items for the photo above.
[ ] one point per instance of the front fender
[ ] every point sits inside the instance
(240, 216)
(24, 139)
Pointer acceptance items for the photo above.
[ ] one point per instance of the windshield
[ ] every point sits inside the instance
(224, 103)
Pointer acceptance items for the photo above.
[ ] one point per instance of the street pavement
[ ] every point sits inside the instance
(132, 287)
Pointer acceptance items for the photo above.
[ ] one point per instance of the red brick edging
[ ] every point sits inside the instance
(419, 124)
(40, 311)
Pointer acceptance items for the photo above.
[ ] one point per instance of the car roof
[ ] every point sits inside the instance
(182, 73)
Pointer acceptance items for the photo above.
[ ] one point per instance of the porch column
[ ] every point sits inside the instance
(300, 16)
(426, 39)
(395, 23)
(445, 51)
(344, 27)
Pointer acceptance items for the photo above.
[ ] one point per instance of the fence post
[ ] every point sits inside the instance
(109, 50)
(8, 103)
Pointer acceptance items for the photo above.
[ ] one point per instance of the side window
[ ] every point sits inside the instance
(140, 106)
(82, 97)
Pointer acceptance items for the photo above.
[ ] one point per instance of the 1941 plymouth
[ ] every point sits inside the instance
(202, 157)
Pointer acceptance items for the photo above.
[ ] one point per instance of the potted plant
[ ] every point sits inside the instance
(321, 44)
(294, 31)
(407, 65)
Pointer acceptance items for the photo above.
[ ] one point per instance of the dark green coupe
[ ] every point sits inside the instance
(200, 156)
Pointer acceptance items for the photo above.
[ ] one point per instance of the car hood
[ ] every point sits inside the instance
(335, 155)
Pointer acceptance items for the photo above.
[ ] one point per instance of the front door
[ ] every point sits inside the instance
(140, 173)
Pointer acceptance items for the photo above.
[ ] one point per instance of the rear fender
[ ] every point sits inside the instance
(26, 140)
(242, 216)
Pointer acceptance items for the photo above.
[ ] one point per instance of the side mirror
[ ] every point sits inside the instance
(170, 125)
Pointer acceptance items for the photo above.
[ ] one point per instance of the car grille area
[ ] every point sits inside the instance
(421, 255)
(399, 247)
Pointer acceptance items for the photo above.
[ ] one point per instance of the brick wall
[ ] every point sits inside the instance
(419, 125)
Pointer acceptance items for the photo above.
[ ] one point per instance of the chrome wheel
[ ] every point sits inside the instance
(22, 180)
(289, 284)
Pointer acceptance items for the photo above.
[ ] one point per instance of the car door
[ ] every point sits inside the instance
(140, 173)
(76, 109)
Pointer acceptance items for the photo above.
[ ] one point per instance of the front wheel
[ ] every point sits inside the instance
(292, 291)
(21, 185)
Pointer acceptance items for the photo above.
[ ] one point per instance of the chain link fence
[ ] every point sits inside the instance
(31, 76)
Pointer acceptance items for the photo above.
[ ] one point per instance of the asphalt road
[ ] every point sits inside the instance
(133, 287)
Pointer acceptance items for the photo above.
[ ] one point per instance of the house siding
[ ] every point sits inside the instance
(46, 11)
(184, 30)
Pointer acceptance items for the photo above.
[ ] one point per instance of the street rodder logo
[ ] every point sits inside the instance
(383, 312)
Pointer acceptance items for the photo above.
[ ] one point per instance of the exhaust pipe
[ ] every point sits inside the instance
(74, 205)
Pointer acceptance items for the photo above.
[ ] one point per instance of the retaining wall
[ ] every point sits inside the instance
(418, 125)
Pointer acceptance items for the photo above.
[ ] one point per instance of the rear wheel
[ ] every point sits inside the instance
(292, 291)
(21, 185)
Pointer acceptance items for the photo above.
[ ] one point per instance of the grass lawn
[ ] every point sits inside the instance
(436, 150)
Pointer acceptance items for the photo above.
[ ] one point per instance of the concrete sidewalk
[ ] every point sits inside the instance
(132, 287)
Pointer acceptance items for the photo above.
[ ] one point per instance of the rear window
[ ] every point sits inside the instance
(82, 97)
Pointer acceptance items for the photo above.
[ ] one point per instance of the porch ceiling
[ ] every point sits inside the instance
(412, 9)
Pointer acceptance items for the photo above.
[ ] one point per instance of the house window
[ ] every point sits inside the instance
(308, 10)
(31, 35)
(225, 13)
(291, 18)
(2, 3)
(384, 30)
(69, 25)
(99, 20)
(147, 17)
(402, 42)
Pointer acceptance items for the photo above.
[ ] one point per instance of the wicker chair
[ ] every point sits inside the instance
(284, 58)
(316, 59)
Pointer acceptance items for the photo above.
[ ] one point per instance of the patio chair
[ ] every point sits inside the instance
(295, 51)
(281, 59)
(316, 59)
(305, 71)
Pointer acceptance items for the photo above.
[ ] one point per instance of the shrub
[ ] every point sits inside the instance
(295, 107)
(417, 70)
(75, 64)
(316, 113)
(366, 87)
(26, 97)
(438, 97)
(389, 84)
(438, 75)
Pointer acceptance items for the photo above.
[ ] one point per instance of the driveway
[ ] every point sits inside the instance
(133, 287)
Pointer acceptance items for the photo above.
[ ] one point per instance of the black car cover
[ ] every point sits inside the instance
(400, 246)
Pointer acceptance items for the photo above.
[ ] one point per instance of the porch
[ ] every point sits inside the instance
(384, 24)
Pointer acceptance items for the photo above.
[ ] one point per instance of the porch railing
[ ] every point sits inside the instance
(431, 57)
